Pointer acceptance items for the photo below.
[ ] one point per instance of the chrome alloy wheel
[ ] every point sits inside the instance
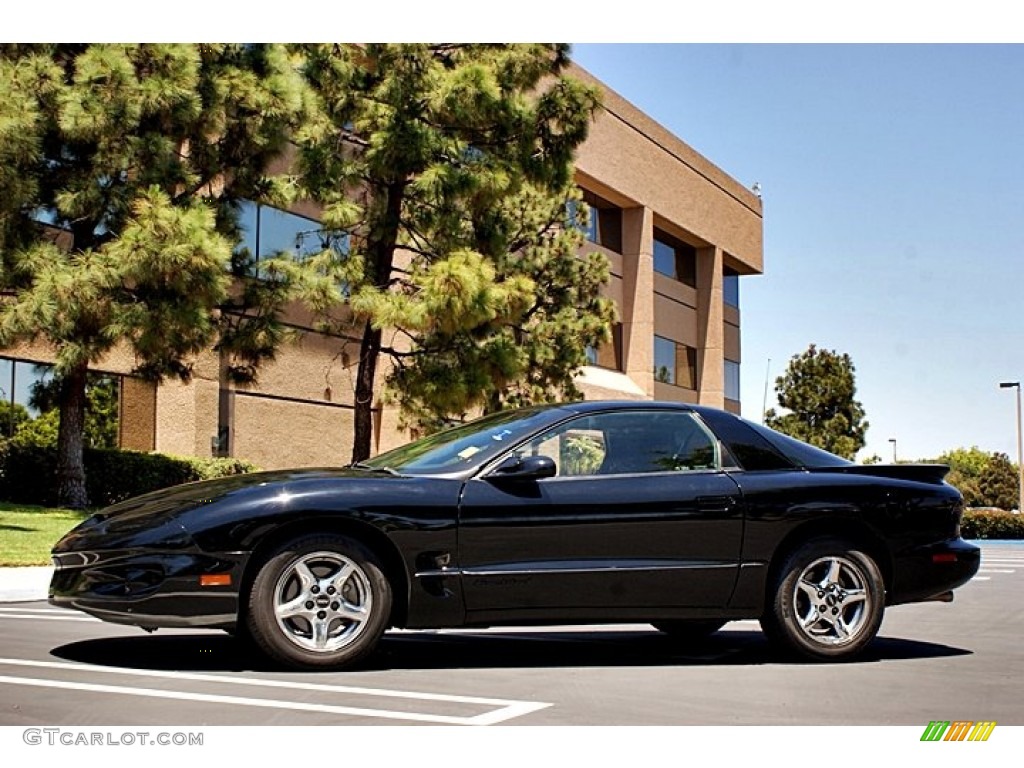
(831, 602)
(322, 601)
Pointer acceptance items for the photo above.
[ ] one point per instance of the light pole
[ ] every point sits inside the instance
(893, 441)
(1020, 450)
(764, 401)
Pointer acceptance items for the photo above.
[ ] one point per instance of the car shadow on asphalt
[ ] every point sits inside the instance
(493, 649)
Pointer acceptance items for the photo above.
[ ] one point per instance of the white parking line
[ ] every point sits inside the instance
(503, 709)
(46, 618)
(993, 561)
(995, 570)
(19, 609)
(47, 614)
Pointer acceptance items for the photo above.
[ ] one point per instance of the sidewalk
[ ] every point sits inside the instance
(21, 584)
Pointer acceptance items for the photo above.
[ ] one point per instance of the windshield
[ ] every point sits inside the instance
(467, 444)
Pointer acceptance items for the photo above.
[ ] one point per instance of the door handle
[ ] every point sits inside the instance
(716, 504)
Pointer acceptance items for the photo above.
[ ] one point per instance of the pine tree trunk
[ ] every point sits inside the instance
(71, 490)
(382, 252)
(369, 351)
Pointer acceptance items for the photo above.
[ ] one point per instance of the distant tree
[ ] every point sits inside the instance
(966, 467)
(43, 430)
(11, 415)
(459, 159)
(102, 395)
(817, 391)
(984, 479)
(874, 458)
(120, 166)
(999, 483)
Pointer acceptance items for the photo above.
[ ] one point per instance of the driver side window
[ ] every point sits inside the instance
(576, 449)
(627, 443)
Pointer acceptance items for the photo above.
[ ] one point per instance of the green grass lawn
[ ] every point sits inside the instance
(27, 533)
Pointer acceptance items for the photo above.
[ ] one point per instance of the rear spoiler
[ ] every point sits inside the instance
(921, 473)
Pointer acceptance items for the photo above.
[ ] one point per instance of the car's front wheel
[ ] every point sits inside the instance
(828, 601)
(319, 601)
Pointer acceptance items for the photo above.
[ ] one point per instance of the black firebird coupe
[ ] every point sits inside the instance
(682, 516)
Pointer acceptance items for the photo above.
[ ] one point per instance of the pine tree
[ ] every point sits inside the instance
(120, 166)
(818, 392)
(450, 166)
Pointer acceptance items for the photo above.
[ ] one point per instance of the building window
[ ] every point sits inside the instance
(732, 380)
(609, 354)
(604, 226)
(731, 287)
(675, 363)
(674, 258)
(29, 404)
(267, 232)
(20, 384)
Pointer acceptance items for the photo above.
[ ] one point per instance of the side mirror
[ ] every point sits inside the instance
(524, 468)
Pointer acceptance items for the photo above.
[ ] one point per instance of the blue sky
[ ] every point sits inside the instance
(893, 186)
(892, 177)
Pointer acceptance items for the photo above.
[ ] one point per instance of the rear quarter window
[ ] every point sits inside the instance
(751, 450)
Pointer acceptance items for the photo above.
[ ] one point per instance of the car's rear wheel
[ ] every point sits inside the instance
(828, 601)
(319, 601)
(688, 630)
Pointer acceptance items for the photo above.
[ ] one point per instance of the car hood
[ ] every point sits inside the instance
(169, 504)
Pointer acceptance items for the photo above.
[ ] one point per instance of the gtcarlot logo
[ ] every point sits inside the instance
(958, 730)
(53, 737)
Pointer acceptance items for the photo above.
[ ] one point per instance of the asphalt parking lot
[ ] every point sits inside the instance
(932, 661)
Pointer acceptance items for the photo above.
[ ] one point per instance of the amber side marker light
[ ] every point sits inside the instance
(946, 557)
(215, 580)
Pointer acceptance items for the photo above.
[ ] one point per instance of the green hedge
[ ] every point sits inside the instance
(27, 473)
(992, 524)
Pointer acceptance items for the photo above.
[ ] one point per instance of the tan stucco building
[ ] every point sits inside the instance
(677, 230)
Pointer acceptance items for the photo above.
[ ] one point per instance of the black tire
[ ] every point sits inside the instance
(319, 601)
(689, 630)
(827, 602)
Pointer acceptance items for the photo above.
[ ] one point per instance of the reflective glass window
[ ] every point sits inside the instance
(664, 360)
(609, 354)
(732, 380)
(267, 232)
(731, 288)
(675, 363)
(27, 376)
(674, 258)
(604, 226)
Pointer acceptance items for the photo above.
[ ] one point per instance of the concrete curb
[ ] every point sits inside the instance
(24, 584)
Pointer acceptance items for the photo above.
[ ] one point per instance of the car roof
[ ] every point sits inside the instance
(590, 406)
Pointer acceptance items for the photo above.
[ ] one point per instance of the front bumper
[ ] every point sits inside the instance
(150, 588)
(923, 573)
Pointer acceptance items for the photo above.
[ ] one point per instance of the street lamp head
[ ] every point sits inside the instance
(1009, 384)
